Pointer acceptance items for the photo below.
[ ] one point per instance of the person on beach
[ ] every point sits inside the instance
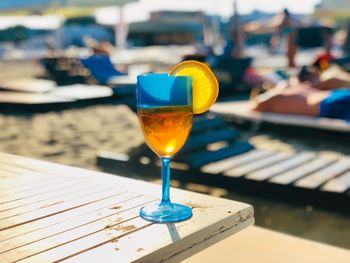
(99, 62)
(286, 30)
(330, 99)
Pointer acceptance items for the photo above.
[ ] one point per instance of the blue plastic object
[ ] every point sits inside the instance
(161, 90)
(157, 91)
(101, 68)
(337, 105)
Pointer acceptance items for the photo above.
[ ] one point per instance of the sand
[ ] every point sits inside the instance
(71, 137)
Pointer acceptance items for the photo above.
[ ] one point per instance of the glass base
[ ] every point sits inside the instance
(166, 212)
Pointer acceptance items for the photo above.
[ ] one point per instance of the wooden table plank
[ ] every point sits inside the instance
(88, 242)
(46, 231)
(37, 165)
(52, 220)
(8, 159)
(121, 203)
(75, 238)
(101, 193)
(64, 195)
(25, 179)
(250, 167)
(235, 161)
(58, 184)
(20, 161)
(339, 184)
(316, 179)
(185, 237)
(290, 176)
(44, 199)
(11, 168)
(7, 174)
(280, 167)
(31, 187)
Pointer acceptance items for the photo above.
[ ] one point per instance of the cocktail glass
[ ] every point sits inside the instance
(164, 107)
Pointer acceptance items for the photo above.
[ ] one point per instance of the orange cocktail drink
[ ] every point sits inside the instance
(166, 129)
(165, 107)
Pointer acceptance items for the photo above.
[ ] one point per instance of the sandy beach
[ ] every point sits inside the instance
(74, 137)
(71, 137)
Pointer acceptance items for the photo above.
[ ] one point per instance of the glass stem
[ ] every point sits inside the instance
(165, 180)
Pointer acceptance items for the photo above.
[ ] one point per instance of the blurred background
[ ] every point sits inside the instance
(68, 67)
(136, 30)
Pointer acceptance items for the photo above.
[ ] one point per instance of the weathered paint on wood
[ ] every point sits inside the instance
(81, 213)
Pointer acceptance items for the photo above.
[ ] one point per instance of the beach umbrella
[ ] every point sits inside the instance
(272, 24)
(121, 27)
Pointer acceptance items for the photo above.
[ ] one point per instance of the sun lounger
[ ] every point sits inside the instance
(206, 131)
(24, 98)
(82, 92)
(30, 85)
(60, 97)
(65, 70)
(101, 68)
(240, 110)
(215, 155)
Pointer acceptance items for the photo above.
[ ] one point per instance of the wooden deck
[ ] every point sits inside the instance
(301, 177)
(51, 213)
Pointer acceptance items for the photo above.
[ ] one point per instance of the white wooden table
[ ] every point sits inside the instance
(51, 212)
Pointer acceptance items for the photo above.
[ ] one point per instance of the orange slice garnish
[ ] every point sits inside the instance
(205, 87)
